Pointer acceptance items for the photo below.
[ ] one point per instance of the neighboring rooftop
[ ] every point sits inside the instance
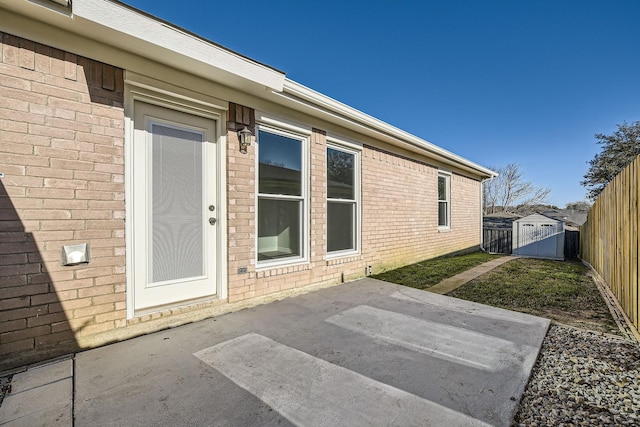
(499, 220)
(569, 216)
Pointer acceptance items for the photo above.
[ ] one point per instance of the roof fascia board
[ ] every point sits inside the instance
(135, 30)
(125, 28)
(336, 110)
(198, 76)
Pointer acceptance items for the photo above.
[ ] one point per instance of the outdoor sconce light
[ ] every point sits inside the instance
(245, 139)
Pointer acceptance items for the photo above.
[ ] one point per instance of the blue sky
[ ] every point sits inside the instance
(495, 81)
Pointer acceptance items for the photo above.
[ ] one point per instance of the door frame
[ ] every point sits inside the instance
(143, 89)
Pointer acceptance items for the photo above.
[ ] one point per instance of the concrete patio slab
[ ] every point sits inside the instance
(40, 396)
(364, 353)
(310, 391)
(367, 352)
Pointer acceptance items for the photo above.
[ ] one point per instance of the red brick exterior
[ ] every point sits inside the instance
(62, 153)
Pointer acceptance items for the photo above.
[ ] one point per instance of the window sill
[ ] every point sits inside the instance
(444, 229)
(282, 262)
(343, 258)
(280, 269)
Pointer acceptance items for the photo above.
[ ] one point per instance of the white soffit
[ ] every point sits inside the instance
(125, 28)
(131, 30)
(337, 112)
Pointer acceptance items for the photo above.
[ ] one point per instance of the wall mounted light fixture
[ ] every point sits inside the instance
(244, 136)
(75, 254)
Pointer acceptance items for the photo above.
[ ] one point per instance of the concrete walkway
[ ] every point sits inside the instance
(451, 283)
(363, 353)
(40, 396)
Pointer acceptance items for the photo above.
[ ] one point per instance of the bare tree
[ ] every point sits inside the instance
(510, 190)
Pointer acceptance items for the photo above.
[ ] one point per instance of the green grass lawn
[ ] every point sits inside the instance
(560, 290)
(425, 274)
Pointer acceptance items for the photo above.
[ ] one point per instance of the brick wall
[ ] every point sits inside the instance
(400, 211)
(61, 150)
(466, 218)
(399, 220)
(242, 230)
(62, 153)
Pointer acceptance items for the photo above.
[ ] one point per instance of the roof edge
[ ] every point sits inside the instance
(131, 30)
(346, 112)
(127, 29)
(151, 36)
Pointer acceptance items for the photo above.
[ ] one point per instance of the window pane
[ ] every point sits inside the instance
(442, 214)
(340, 226)
(442, 188)
(340, 174)
(278, 229)
(176, 212)
(280, 164)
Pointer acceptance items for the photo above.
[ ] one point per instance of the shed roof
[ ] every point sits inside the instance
(536, 217)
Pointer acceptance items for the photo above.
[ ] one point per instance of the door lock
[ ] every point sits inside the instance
(212, 221)
(212, 208)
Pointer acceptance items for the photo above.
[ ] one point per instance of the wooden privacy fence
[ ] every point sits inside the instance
(497, 240)
(609, 238)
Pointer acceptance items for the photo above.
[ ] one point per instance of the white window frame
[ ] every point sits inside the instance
(447, 200)
(356, 152)
(304, 197)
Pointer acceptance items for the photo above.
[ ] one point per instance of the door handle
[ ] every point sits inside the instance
(212, 221)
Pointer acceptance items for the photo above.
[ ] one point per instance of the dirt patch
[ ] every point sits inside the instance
(589, 319)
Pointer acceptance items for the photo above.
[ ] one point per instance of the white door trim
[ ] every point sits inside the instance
(177, 100)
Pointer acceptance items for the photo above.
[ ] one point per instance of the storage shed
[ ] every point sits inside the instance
(538, 236)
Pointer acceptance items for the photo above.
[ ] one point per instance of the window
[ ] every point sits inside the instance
(281, 196)
(342, 200)
(444, 200)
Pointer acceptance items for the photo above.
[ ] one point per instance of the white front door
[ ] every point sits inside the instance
(174, 206)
